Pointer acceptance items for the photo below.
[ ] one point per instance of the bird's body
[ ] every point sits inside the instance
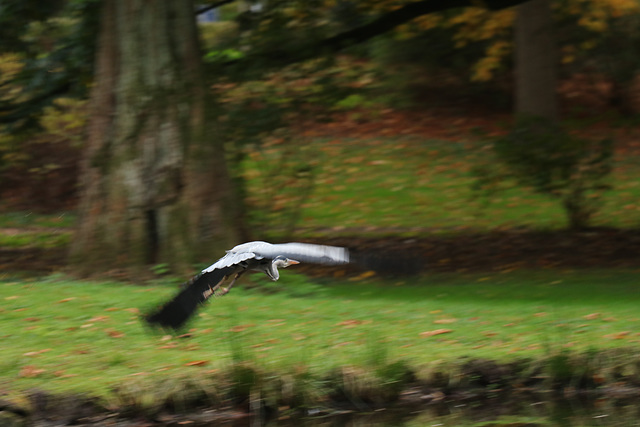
(257, 256)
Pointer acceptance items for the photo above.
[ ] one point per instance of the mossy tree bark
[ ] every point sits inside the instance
(153, 175)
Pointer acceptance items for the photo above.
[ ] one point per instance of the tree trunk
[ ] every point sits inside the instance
(536, 61)
(154, 179)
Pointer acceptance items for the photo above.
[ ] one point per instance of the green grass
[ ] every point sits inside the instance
(44, 240)
(63, 335)
(34, 230)
(25, 219)
(413, 185)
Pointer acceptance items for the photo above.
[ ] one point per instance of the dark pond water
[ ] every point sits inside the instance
(497, 412)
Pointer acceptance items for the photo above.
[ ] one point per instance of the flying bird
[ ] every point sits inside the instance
(256, 256)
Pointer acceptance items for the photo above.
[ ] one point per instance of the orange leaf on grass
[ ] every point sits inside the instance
(445, 321)
(164, 347)
(66, 300)
(35, 353)
(591, 316)
(30, 371)
(114, 334)
(197, 363)
(349, 323)
(618, 335)
(435, 332)
(240, 328)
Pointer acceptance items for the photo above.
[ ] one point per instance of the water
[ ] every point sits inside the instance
(497, 412)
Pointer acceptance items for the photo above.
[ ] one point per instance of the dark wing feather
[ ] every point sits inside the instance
(176, 312)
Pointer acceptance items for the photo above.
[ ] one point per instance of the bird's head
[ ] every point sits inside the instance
(283, 262)
(279, 262)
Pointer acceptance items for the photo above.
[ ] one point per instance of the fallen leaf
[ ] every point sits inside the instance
(240, 328)
(170, 345)
(30, 371)
(591, 316)
(349, 323)
(598, 378)
(99, 319)
(66, 300)
(35, 353)
(445, 321)
(114, 334)
(363, 276)
(197, 363)
(62, 374)
(618, 335)
(435, 332)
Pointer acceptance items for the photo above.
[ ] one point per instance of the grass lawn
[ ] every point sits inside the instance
(415, 186)
(63, 335)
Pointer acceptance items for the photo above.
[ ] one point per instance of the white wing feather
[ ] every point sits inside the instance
(306, 252)
(230, 259)
(303, 252)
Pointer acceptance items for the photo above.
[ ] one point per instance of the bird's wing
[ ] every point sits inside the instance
(305, 252)
(195, 292)
(230, 259)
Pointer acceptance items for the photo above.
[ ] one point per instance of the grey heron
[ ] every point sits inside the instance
(257, 256)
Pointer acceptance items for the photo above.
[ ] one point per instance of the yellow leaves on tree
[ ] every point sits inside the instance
(475, 24)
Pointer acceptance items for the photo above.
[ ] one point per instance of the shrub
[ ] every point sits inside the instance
(545, 158)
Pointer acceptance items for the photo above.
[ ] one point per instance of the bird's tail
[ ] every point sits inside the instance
(175, 313)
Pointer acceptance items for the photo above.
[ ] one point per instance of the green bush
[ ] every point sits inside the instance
(545, 158)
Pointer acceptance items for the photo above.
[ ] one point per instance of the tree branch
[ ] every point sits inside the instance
(405, 14)
(213, 6)
(381, 25)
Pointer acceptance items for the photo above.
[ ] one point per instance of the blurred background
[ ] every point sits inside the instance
(442, 141)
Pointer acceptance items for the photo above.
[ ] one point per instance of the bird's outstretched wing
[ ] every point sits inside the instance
(176, 312)
(230, 259)
(305, 252)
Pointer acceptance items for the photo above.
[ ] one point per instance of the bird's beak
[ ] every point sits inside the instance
(293, 262)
